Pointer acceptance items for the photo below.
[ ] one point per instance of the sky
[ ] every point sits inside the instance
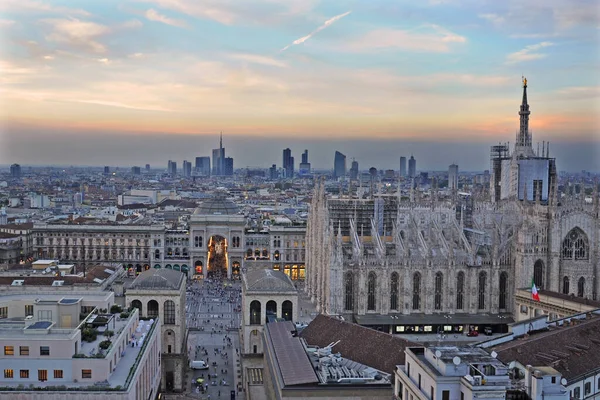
(135, 82)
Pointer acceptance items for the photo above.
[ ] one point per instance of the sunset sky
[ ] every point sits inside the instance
(131, 82)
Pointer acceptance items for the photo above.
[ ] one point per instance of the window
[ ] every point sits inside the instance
(502, 292)
(416, 301)
(482, 283)
(419, 381)
(575, 245)
(28, 310)
(9, 351)
(587, 388)
(42, 375)
(460, 287)
(538, 274)
(439, 278)
(169, 349)
(86, 374)
(169, 312)
(431, 392)
(348, 300)
(3, 312)
(565, 285)
(462, 396)
(445, 395)
(58, 374)
(400, 389)
(371, 292)
(44, 315)
(394, 291)
(24, 350)
(8, 374)
(44, 350)
(24, 374)
(553, 379)
(581, 287)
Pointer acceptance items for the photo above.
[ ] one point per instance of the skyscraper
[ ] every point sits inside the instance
(106, 170)
(147, 167)
(288, 163)
(273, 172)
(172, 168)
(15, 171)
(136, 170)
(228, 166)
(304, 167)
(412, 167)
(203, 166)
(339, 165)
(219, 158)
(187, 168)
(354, 170)
(402, 166)
(453, 177)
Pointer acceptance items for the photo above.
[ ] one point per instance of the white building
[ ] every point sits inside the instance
(45, 342)
(160, 293)
(453, 177)
(266, 295)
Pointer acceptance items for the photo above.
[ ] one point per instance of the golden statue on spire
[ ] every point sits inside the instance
(524, 81)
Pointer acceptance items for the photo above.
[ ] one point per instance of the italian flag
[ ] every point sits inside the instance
(534, 293)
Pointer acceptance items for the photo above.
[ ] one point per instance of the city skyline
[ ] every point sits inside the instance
(271, 74)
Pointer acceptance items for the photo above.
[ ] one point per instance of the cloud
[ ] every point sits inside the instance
(38, 6)
(133, 24)
(154, 15)
(436, 40)
(528, 53)
(327, 23)
(77, 33)
(258, 59)
(579, 92)
(493, 18)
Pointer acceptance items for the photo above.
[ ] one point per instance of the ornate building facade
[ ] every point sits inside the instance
(387, 261)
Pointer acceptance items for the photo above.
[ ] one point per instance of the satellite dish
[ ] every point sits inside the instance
(438, 353)
(494, 354)
(563, 381)
(456, 360)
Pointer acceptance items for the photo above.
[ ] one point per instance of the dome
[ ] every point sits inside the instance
(218, 205)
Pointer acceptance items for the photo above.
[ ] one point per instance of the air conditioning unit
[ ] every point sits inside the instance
(477, 380)
(58, 283)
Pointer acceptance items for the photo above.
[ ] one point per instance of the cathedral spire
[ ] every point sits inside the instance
(523, 146)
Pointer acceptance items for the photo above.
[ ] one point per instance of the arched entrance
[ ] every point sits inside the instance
(198, 270)
(217, 257)
(235, 270)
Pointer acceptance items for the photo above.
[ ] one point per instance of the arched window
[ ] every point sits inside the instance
(287, 309)
(416, 300)
(481, 297)
(271, 308)
(276, 255)
(255, 312)
(394, 291)
(177, 251)
(169, 312)
(169, 251)
(152, 309)
(581, 287)
(348, 298)
(137, 304)
(575, 245)
(371, 291)
(565, 289)
(538, 274)
(249, 253)
(460, 289)
(157, 254)
(439, 278)
(502, 291)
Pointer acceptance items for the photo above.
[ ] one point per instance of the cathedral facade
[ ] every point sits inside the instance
(387, 260)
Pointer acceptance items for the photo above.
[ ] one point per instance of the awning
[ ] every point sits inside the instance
(434, 319)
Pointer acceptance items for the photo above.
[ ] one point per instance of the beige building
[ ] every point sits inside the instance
(266, 295)
(554, 305)
(160, 293)
(45, 342)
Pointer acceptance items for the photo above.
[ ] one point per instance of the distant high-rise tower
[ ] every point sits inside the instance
(304, 167)
(402, 166)
(106, 170)
(412, 167)
(15, 171)
(339, 165)
(288, 163)
(219, 158)
(228, 166)
(187, 168)
(147, 167)
(172, 168)
(453, 177)
(273, 172)
(354, 170)
(203, 166)
(136, 170)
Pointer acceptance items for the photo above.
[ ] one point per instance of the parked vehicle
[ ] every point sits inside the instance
(488, 331)
(198, 365)
(473, 333)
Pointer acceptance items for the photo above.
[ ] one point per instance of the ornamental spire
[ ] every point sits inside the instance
(523, 146)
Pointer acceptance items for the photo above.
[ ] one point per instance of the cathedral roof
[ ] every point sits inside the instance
(165, 279)
(268, 280)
